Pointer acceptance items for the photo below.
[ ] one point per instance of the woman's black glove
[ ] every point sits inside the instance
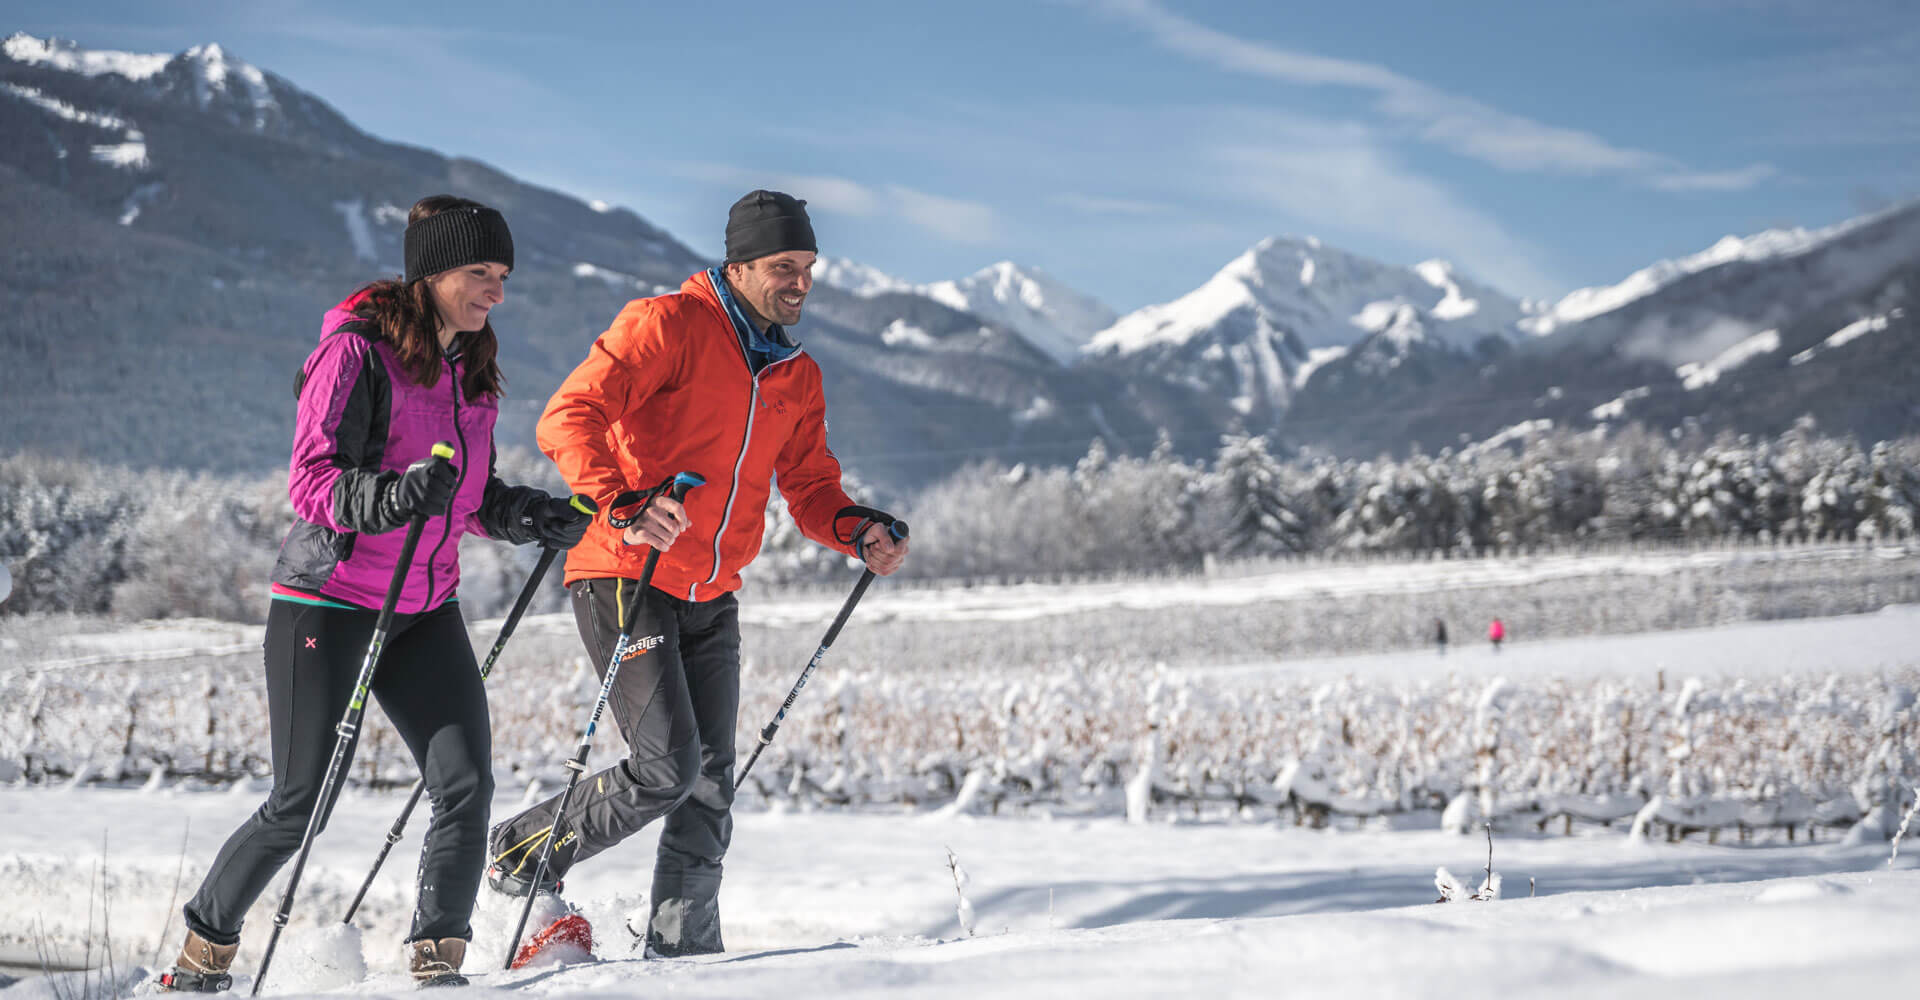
(556, 523)
(425, 488)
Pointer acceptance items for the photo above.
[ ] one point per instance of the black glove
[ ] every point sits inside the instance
(556, 523)
(425, 488)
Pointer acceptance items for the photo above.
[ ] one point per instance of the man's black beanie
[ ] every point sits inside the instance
(766, 222)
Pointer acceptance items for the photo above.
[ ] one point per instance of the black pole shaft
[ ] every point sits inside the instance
(577, 765)
(833, 632)
(399, 827)
(519, 608)
(898, 529)
(343, 741)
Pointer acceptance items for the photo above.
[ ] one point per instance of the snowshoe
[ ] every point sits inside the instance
(568, 939)
(178, 980)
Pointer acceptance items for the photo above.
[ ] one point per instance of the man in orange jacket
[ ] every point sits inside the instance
(704, 381)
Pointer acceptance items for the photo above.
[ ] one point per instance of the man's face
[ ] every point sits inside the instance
(775, 286)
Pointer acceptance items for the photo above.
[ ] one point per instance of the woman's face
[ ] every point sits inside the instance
(464, 295)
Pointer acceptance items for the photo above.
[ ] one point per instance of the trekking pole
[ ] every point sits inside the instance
(349, 725)
(899, 531)
(676, 488)
(585, 506)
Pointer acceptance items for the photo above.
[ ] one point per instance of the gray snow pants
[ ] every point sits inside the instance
(429, 685)
(676, 702)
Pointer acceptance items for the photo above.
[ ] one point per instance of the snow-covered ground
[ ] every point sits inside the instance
(864, 905)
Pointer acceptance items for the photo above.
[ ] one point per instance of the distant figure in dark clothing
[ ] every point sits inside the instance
(1496, 632)
(1440, 634)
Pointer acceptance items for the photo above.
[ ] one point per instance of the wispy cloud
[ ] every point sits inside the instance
(1461, 124)
(1857, 90)
(1725, 180)
(1098, 205)
(956, 219)
(1337, 178)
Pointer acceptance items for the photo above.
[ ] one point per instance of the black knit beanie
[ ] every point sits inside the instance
(455, 238)
(766, 222)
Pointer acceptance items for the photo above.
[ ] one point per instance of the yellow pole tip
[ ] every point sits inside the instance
(443, 450)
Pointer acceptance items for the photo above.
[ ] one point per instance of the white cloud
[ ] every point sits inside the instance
(1461, 124)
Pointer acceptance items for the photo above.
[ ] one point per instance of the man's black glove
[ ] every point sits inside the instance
(425, 488)
(556, 523)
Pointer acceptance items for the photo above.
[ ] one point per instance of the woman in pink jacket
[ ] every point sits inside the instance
(401, 365)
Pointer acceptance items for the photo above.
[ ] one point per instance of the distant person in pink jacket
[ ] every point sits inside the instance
(1496, 632)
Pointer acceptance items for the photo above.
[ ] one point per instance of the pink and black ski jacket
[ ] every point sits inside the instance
(361, 422)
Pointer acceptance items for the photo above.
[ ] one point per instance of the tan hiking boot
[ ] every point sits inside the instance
(201, 968)
(437, 963)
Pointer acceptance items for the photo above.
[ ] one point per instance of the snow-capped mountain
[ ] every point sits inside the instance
(1323, 296)
(1748, 335)
(1772, 244)
(205, 78)
(1054, 318)
(1260, 327)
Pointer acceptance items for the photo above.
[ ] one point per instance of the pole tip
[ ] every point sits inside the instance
(442, 449)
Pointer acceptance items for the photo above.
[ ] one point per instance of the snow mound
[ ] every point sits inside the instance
(1800, 889)
(314, 960)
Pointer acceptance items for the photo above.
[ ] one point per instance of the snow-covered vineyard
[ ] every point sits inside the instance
(1797, 752)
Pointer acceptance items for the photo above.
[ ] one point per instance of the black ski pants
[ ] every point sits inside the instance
(676, 701)
(429, 685)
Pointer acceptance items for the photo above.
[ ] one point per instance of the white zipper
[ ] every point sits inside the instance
(733, 490)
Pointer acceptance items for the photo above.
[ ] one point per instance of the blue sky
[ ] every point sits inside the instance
(1132, 147)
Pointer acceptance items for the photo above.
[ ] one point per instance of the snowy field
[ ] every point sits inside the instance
(1070, 897)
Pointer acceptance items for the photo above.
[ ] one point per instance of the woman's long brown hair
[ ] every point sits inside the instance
(406, 317)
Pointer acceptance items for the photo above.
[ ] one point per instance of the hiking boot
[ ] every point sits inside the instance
(201, 968)
(437, 963)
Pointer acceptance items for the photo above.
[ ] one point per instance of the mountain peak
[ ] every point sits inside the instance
(856, 278)
(1051, 316)
(1040, 308)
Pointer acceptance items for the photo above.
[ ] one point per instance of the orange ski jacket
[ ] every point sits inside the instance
(668, 389)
